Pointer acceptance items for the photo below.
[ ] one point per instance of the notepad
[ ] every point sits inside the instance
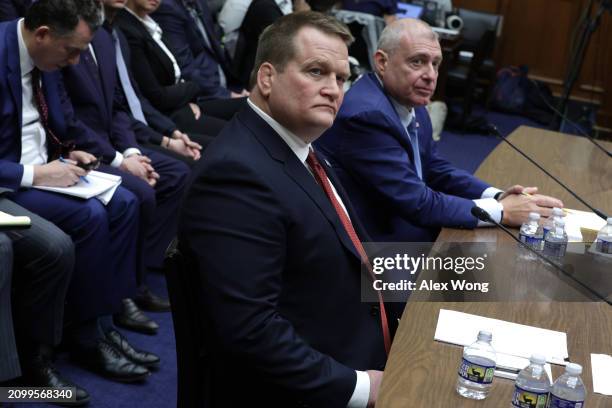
(99, 185)
(8, 220)
(582, 226)
(513, 339)
(601, 367)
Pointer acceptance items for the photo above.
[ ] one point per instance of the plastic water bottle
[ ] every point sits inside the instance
(549, 223)
(604, 238)
(532, 235)
(477, 368)
(568, 391)
(532, 385)
(555, 243)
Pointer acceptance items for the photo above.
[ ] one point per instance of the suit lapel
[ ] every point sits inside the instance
(14, 69)
(105, 54)
(296, 170)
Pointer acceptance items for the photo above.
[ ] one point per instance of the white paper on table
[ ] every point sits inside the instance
(575, 219)
(508, 338)
(601, 367)
(505, 361)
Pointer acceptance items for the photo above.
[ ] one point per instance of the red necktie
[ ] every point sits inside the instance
(43, 110)
(321, 177)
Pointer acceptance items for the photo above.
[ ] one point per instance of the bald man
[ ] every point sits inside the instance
(382, 149)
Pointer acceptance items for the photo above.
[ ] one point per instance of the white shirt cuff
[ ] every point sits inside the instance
(117, 160)
(493, 207)
(360, 396)
(27, 179)
(490, 192)
(131, 151)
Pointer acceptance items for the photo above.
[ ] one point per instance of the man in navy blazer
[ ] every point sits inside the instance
(280, 276)
(190, 32)
(382, 149)
(158, 181)
(34, 132)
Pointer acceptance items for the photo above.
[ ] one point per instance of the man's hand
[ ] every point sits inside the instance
(57, 174)
(375, 381)
(196, 110)
(140, 166)
(519, 201)
(239, 95)
(193, 147)
(180, 147)
(81, 157)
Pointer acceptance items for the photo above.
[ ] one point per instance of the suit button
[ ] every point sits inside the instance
(375, 311)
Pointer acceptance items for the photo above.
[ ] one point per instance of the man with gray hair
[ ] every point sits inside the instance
(275, 243)
(381, 146)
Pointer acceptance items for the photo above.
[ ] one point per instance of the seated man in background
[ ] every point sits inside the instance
(36, 266)
(13, 9)
(275, 242)
(382, 148)
(96, 94)
(34, 136)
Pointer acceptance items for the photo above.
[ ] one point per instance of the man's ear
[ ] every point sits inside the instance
(265, 78)
(380, 61)
(41, 33)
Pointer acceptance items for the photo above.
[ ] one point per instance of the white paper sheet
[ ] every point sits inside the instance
(601, 366)
(101, 185)
(508, 338)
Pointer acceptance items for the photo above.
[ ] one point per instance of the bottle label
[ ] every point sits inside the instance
(555, 249)
(604, 246)
(477, 373)
(556, 402)
(534, 242)
(529, 399)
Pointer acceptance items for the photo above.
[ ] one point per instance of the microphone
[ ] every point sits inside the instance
(491, 129)
(483, 215)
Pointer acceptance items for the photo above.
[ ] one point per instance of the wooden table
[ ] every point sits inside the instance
(422, 372)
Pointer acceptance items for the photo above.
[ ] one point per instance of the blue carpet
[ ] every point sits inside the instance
(464, 150)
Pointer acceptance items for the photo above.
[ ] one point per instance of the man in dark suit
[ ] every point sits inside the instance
(42, 258)
(192, 36)
(273, 238)
(33, 134)
(13, 9)
(97, 93)
(382, 148)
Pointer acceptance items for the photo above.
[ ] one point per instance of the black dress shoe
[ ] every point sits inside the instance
(151, 302)
(132, 318)
(107, 360)
(144, 358)
(43, 374)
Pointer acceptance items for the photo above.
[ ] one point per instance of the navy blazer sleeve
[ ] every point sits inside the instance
(370, 152)
(248, 291)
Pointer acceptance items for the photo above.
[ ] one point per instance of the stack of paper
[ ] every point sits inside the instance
(8, 220)
(582, 226)
(510, 340)
(601, 366)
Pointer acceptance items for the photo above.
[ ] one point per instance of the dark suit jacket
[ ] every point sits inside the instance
(199, 62)
(61, 117)
(153, 69)
(13, 9)
(92, 88)
(260, 14)
(370, 150)
(280, 276)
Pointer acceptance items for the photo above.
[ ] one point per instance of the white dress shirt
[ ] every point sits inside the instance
(33, 136)
(360, 396)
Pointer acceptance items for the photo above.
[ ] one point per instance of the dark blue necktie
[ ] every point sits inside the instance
(413, 134)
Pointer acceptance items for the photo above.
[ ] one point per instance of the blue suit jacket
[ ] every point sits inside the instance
(371, 152)
(61, 117)
(199, 62)
(280, 276)
(95, 93)
(12, 9)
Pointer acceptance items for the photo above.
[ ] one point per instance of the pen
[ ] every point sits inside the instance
(61, 159)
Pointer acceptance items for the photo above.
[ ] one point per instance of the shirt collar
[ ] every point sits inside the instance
(297, 145)
(406, 115)
(26, 62)
(152, 27)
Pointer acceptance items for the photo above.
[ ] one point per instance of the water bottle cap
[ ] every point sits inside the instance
(538, 359)
(560, 222)
(573, 369)
(534, 216)
(557, 212)
(485, 335)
